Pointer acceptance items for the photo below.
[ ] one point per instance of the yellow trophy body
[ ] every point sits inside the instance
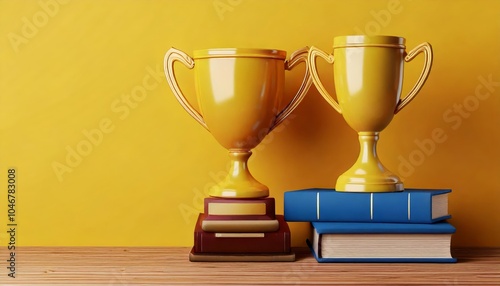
(368, 76)
(240, 92)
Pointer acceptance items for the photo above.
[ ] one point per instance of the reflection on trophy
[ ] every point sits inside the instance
(368, 75)
(240, 93)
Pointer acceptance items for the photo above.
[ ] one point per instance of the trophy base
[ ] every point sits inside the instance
(348, 183)
(239, 183)
(241, 191)
(368, 174)
(241, 230)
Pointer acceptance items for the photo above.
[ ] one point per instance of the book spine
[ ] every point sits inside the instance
(239, 217)
(240, 225)
(329, 205)
(270, 242)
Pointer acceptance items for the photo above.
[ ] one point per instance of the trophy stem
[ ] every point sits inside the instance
(239, 183)
(368, 174)
(368, 147)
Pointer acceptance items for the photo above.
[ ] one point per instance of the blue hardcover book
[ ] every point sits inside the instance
(381, 242)
(408, 206)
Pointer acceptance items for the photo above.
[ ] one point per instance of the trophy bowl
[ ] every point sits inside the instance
(239, 92)
(368, 76)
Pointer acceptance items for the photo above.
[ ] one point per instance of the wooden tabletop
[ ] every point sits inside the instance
(170, 266)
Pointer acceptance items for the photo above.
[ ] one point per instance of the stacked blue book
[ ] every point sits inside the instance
(407, 226)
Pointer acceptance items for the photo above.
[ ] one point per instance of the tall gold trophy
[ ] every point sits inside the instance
(240, 94)
(368, 75)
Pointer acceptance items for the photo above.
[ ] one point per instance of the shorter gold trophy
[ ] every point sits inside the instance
(368, 76)
(240, 92)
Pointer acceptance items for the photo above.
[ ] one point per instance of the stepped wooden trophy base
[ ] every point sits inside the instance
(241, 230)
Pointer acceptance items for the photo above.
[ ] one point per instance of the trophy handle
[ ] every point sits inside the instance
(427, 50)
(311, 61)
(296, 57)
(171, 56)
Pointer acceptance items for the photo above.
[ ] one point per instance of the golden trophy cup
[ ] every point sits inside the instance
(239, 92)
(368, 76)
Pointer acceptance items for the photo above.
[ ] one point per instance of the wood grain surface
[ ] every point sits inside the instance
(170, 266)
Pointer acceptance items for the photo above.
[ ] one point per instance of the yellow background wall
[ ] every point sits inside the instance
(106, 156)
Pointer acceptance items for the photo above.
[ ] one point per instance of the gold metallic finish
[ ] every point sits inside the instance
(239, 53)
(239, 93)
(372, 45)
(368, 76)
(238, 234)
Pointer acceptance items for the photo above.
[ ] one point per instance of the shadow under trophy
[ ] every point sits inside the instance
(240, 93)
(368, 76)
